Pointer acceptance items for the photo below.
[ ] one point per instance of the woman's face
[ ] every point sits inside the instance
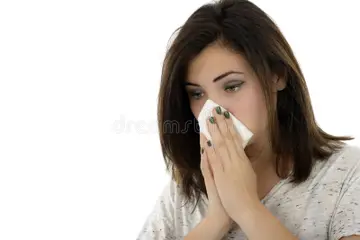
(226, 78)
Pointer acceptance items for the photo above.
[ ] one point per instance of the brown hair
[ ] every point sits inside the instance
(245, 28)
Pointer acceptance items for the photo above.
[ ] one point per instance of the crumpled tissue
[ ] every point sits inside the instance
(206, 112)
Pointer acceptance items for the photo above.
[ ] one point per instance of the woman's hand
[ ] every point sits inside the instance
(234, 177)
(215, 212)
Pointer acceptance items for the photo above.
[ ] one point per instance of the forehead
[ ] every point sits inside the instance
(213, 61)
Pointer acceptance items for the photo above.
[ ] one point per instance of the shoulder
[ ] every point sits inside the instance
(170, 193)
(334, 174)
(340, 171)
(346, 162)
(172, 197)
(350, 152)
(172, 215)
(345, 167)
(173, 190)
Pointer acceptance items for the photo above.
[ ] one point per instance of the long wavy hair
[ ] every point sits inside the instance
(246, 29)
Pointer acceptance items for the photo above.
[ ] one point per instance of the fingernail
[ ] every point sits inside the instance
(212, 120)
(218, 110)
(209, 143)
(227, 114)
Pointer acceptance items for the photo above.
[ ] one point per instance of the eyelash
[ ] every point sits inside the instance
(194, 94)
(233, 86)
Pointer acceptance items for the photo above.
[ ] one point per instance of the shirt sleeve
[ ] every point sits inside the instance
(346, 218)
(159, 225)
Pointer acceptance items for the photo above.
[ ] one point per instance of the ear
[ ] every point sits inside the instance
(278, 83)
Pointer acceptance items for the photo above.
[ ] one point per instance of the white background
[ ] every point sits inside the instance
(79, 151)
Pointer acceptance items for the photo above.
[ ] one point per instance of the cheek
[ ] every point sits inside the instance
(251, 111)
(196, 106)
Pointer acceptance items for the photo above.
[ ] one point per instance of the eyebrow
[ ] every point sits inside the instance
(218, 77)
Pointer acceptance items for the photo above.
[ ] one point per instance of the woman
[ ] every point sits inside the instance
(292, 181)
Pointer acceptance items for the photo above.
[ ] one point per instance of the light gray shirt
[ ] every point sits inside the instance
(326, 206)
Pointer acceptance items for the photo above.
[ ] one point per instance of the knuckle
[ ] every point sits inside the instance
(225, 132)
(212, 127)
(222, 149)
(232, 133)
(212, 156)
(228, 135)
(219, 143)
(222, 127)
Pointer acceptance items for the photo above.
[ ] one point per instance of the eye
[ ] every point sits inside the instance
(196, 94)
(233, 88)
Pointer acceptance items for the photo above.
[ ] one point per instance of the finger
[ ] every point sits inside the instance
(218, 144)
(203, 143)
(207, 172)
(227, 138)
(220, 119)
(237, 139)
(213, 158)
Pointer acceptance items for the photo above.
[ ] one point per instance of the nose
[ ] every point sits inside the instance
(217, 100)
(220, 101)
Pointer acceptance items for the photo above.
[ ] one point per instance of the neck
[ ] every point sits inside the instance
(263, 161)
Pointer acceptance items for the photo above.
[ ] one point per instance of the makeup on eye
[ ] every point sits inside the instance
(197, 94)
(232, 85)
(193, 90)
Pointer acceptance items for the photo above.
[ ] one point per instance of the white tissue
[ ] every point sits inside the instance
(206, 112)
